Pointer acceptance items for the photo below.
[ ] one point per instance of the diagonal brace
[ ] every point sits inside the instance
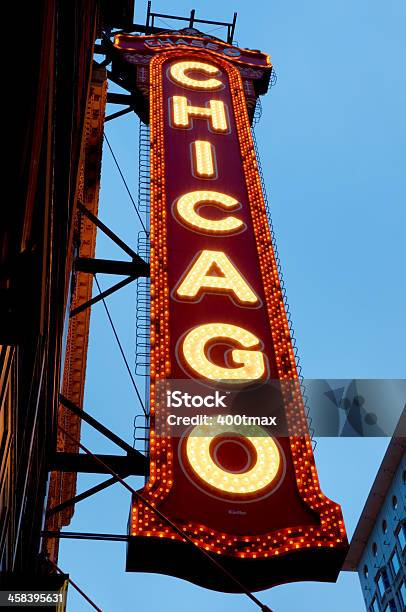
(106, 293)
(84, 495)
(106, 230)
(103, 430)
(119, 113)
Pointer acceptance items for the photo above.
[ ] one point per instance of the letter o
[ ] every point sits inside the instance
(256, 478)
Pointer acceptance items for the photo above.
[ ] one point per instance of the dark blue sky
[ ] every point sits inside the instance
(331, 140)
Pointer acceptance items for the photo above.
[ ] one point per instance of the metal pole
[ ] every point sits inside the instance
(177, 530)
(75, 586)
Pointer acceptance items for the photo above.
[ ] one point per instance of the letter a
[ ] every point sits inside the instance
(228, 279)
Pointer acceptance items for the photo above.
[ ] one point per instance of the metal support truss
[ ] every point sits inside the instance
(126, 99)
(78, 462)
(118, 98)
(102, 295)
(132, 269)
(136, 258)
(107, 266)
(133, 463)
(83, 535)
(84, 495)
(120, 113)
(178, 530)
(102, 429)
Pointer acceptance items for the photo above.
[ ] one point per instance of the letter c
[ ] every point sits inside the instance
(187, 213)
(178, 74)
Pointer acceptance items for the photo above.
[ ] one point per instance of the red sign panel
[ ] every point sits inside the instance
(241, 493)
(178, 40)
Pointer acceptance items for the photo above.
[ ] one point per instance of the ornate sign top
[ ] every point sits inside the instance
(192, 40)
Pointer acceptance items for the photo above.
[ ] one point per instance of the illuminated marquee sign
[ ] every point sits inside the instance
(249, 498)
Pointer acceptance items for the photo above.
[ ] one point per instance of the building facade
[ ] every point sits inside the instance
(55, 117)
(378, 547)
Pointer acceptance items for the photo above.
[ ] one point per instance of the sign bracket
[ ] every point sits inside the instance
(84, 495)
(90, 420)
(119, 113)
(133, 463)
(133, 269)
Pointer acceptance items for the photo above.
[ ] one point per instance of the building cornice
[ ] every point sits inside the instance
(377, 495)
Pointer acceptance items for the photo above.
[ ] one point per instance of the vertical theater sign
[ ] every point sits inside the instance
(242, 491)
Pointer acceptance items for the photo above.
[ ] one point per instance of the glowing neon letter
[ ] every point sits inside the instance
(178, 74)
(198, 278)
(203, 159)
(255, 478)
(215, 112)
(196, 343)
(186, 209)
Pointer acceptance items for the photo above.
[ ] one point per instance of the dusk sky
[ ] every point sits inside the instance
(331, 141)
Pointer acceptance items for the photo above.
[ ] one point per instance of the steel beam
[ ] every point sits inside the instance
(119, 113)
(231, 34)
(81, 535)
(84, 495)
(78, 462)
(110, 266)
(117, 98)
(102, 429)
(138, 267)
(101, 296)
(135, 257)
